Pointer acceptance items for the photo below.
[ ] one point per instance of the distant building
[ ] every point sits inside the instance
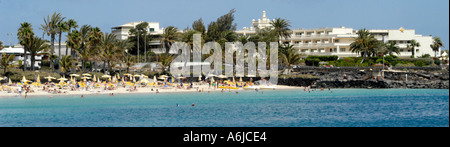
(122, 33)
(318, 41)
(18, 52)
(336, 41)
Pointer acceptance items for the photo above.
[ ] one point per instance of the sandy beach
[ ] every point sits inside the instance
(38, 91)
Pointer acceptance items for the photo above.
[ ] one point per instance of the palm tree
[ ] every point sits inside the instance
(93, 46)
(25, 34)
(70, 24)
(281, 26)
(66, 63)
(50, 27)
(412, 46)
(5, 62)
(365, 44)
(74, 40)
(165, 60)
(111, 52)
(437, 44)
(129, 61)
(1, 45)
(62, 27)
(37, 45)
(289, 56)
(80, 40)
(170, 36)
(391, 48)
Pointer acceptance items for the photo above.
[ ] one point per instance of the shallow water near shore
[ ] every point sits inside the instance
(273, 108)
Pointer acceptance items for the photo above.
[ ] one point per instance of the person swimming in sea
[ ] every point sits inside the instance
(82, 96)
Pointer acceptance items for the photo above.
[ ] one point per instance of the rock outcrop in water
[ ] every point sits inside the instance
(359, 77)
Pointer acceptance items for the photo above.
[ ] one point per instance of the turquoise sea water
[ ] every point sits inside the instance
(279, 108)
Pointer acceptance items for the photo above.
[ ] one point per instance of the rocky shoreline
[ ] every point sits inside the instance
(353, 77)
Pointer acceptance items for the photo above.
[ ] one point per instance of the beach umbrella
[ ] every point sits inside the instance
(118, 76)
(211, 75)
(106, 76)
(144, 81)
(200, 78)
(98, 79)
(49, 78)
(74, 75)
(62, 79)
(234, 80)
(86, 74)
(137, 75)
(84, 78)
(24, 79)
(222, 76)
(251, 75)
(240, 79)
(9, 83)
(127, 74)
(94, 77)
(172, 80)
(134, 80)
(38, 80)
(162, 77)
(1, 78)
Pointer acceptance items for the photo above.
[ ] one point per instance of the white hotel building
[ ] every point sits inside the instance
(336, 41)
(321, 41)
(122, 33)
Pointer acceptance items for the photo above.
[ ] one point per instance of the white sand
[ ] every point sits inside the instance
(121, 90)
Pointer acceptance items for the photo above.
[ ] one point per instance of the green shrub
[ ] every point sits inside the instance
(419, 63)
(324, 58)
(425, 56)
(312, 62)
(427, 61)
(404, 65)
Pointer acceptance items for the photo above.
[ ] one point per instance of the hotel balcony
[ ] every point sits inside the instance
(314, 36)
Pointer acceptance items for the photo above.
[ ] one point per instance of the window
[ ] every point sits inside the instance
(401, 50)
(342, 49)
(309, 33)
(336, 40)
(298, 34)
(417, 50)
(152, 29)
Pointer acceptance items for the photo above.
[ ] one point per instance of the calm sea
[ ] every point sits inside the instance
(279, 108)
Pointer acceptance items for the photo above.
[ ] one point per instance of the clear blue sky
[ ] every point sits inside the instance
(427, 17)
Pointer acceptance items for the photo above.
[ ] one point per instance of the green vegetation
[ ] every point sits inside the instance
(5, 62)
(1, 45)
(389, 60)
